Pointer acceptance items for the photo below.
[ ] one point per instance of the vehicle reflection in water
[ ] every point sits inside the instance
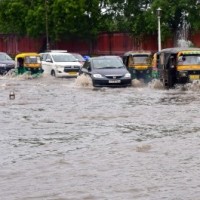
(63, 139)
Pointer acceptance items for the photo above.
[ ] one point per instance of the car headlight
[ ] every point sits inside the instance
(59, 66)
(127, 75)
(97, 76)
(2, 65)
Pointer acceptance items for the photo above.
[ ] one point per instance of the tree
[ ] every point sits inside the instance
(86, 18)
(12, 17)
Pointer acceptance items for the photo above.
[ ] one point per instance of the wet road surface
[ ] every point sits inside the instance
(62, 139)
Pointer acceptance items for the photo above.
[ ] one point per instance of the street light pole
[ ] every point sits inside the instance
(47, 31)
(159, 33)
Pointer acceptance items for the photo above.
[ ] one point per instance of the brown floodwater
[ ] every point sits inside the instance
(62, 139)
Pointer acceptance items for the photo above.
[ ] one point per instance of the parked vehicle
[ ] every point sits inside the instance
(178, 66)
(106, 71)
(6, 63)
(60, 64)
(28, 63)
(139, 64)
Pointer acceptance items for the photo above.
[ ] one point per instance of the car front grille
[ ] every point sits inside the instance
(71, 69)
(113, 76)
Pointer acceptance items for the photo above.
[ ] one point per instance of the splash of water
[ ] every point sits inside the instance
(183, 32)
(156, 84)
(138, 83)
(84, 81)
(184, 43)
(194, 86)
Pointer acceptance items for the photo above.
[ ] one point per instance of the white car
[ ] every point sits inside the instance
(60, 64)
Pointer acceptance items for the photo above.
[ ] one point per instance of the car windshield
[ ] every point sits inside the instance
(79, 57)
(63, 58)
(189, 60)
(140, 59)
(107, 63)
(4, 57)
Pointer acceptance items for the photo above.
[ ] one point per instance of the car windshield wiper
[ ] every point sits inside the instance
(108, 67)
(119, 67)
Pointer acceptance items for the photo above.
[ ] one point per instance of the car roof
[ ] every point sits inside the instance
(104, 57)
(57, 50)
(1, 52)
(56, 53)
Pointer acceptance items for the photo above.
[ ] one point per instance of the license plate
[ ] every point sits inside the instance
(114, 81)
(72, 73)
(194, 77)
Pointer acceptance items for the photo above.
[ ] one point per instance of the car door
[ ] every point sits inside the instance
(47, 63)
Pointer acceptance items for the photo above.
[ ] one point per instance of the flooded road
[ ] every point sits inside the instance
(62, 139)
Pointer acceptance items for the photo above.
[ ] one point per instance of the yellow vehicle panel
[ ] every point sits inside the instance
(32, 65)
(194, 77)
(187, 67)
(141, 67)
(23, 55)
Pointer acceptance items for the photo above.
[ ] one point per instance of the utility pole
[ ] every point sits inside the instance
(159, 32)
(47, 27)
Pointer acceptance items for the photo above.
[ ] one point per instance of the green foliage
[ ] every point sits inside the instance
(86, 18)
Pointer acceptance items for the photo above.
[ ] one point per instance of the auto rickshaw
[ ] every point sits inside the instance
(178, 66)
(28, 63)
(139, 64)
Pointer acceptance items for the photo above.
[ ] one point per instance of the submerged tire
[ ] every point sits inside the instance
(53, 73)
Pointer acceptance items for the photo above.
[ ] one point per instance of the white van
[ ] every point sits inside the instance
(60, 64)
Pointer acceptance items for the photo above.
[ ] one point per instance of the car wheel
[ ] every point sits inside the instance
(53, 73)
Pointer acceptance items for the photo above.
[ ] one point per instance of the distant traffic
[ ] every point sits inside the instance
(171, 66)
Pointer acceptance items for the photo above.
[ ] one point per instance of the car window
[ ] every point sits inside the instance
(4, 57)
(79, 57)
(63, 58)
(107, 63)
(43, 57)
(48, 56)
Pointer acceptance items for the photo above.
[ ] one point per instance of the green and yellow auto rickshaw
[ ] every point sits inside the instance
(178, 66)
(139, 64)
(28, 63)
